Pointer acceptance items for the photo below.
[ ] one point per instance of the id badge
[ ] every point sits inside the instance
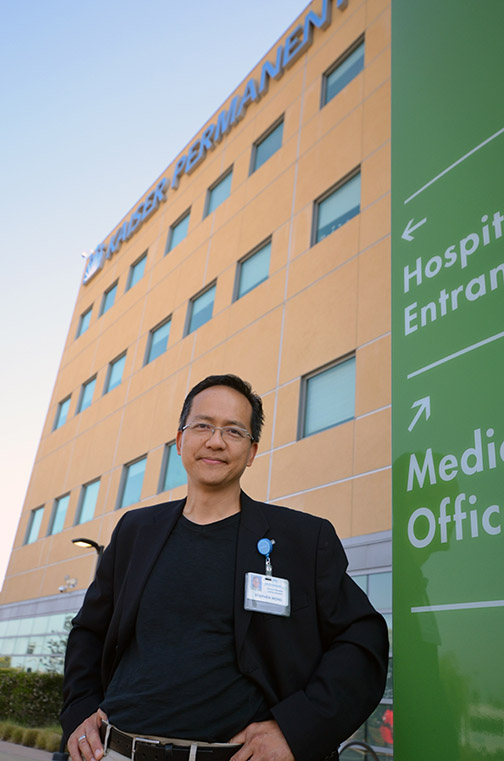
(267, 594)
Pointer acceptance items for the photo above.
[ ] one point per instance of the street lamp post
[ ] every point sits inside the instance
(61, 754)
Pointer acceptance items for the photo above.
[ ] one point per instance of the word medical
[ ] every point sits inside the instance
(423, 522)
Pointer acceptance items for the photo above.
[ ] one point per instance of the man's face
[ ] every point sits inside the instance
(212, 461)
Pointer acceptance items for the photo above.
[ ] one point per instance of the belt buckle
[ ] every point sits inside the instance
(143, 740)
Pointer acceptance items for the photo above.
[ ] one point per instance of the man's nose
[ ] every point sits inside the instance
(216, 439)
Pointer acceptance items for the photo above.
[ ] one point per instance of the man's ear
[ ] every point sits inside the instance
(252, 453)
(178, 442)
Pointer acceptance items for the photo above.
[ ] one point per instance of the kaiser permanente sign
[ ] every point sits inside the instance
(297, 43)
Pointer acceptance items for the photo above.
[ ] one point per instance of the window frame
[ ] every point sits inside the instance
(303, 396)
(80, 504)
(54, 513)
(113, 362)
(256, 250)
(79, 332)
(142, 258)
(150, 337)
(124, 480)
(171, 230)
(337, 63)
(255, 145)
(58, 411)
(170, 446)
(81, 394)
(327, 194)
(103, 311)
(31, 520)
(190, 307)
(212, 187)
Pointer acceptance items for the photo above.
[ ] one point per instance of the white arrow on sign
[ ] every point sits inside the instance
(410, 228)
(422, 404)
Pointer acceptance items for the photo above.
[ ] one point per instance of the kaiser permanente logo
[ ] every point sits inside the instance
(297, 43)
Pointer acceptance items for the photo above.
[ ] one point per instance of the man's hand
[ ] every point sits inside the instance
(262, 741)
(85, 742)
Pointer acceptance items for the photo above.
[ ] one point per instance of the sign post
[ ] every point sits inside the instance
(448, 379)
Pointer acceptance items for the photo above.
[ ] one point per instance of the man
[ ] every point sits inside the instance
(177, 653)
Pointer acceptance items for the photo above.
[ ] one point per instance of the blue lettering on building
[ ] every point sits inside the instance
(298, 41)
(96, 260)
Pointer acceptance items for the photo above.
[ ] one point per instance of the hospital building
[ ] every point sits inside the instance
(263, 250)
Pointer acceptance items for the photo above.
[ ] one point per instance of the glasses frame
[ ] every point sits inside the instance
(212, 428)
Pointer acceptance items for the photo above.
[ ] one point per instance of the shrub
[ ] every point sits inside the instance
(30, 737)
(17, 735)
(7, 729)
(30, 698)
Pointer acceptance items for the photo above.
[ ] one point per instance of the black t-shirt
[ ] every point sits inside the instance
(179, 676)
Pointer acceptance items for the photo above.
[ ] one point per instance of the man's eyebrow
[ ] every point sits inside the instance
(210, 419)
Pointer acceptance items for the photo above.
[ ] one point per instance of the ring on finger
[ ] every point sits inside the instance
(81, 738)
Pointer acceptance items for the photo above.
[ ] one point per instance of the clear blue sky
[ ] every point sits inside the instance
(97, 98)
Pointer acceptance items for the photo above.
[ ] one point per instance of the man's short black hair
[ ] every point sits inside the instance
(232, 381)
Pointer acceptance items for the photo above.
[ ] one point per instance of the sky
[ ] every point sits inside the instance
(98, 97)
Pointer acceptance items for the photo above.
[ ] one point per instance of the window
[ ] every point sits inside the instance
(87, 504)
(266, 146)
(115, 373)
(136, 272)
(337, 207)
(252, 270)
(62, 413)
(218, 192)
(157, 341)
(86, 395)
(328, 398)
(200, 309)
(58, 515)
(34, 522)
(342, 72)
(378, 729)
(173, 472)
(132, 482)
(108, 299)
(84, 321)
(178, 231)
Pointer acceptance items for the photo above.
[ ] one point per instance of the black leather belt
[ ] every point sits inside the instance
(143, 749)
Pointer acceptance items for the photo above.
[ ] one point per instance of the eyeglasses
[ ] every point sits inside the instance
(228, 432)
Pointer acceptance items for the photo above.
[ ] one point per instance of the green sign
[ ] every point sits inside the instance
(448, 379)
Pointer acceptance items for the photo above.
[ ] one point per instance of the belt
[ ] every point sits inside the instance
(144, 749)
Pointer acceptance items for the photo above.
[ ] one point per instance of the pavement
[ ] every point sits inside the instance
(12, 752)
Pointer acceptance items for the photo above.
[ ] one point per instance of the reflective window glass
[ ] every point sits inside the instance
(62, 413)
(339, 77)
(34, 525)
(337, 208)
(136, 272)
(175, 473)
(254, 270)
(86, 396)
(265, 148)
(84, 321)
(88, 501)
(219, 193)
(177, 232)
(132, 482)
(158, 341)
(108, 299)
(115, 373)
(380, 590)
(58, 515)
(201, 309)
(330, 397)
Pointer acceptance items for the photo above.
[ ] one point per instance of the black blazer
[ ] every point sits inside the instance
(322, 669)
